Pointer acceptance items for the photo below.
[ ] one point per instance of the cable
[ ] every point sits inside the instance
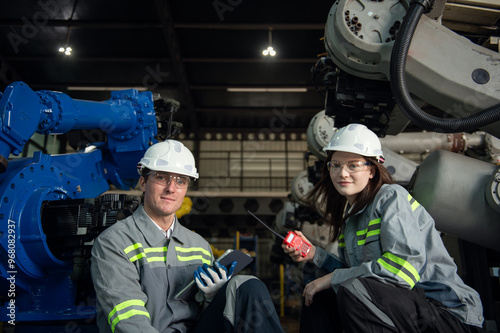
(402, 96)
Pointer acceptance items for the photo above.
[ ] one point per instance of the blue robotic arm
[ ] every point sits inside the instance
(128, 118)
(27, 184)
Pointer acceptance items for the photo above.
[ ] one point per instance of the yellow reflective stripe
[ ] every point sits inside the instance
(184, 250)
(162, 250)
(370, 233)
(152, 259)
(124, 305)
(149, 259)
(413, 204)
(372, 222)
(156, 249)
(137, 257)
(403, 263)
(195, 257)
(398, 272)
(341, 241)
(367, 233)
(132, 247)
(373, 232)
(127, 315)
(192, 249)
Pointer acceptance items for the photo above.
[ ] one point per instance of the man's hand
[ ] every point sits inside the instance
(295, 254)
(211, 279)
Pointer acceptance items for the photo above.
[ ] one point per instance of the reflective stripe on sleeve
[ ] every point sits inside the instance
(400, 267)
(132, 247)
(126, 310)
(414, 203)
(193, 254)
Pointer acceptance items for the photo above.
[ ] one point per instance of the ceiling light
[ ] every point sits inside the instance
(269, 51)
(66, 50)
(83, 88)
(267, 89)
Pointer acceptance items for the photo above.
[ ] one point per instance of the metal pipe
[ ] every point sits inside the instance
(425, 142)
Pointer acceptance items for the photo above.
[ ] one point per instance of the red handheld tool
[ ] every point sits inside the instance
(291, 239)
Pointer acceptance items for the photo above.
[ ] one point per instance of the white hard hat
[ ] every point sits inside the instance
(357, 139)
(169, 156)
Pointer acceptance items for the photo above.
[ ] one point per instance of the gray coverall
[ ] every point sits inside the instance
(139, 274)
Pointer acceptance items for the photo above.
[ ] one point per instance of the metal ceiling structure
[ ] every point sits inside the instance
(190, 51)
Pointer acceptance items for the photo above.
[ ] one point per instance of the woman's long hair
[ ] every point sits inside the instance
(336, 203)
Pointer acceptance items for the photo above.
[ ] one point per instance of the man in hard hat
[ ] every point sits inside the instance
(143, 266)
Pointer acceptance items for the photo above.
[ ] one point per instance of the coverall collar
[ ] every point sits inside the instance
(150, 231)
(180, 234)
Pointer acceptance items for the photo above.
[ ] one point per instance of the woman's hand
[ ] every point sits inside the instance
(317, 285)
(295, 254)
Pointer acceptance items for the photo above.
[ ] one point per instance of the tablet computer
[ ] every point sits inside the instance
(242, 261)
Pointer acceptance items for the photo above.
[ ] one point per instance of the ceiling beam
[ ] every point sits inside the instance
(85, 24)
(170, 38)
(63, 86)
(251, 60)
(270, 86)
(265, 108)
(149, 25)
(88, 59)
(252, 26)
(161, 59)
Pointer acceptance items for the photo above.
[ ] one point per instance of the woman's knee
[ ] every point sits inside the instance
(342, 295)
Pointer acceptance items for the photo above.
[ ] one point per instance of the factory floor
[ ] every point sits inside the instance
(289, 319)
(290, 324)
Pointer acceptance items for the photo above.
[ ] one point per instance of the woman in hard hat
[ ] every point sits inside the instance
(393, 273)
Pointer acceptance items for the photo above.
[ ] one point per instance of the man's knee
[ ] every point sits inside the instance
(248, 287)
(244, 281)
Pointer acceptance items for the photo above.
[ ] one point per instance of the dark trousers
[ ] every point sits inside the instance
(254, 311)
(368, 305)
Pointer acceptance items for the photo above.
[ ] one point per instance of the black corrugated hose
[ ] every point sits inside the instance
(402, 96)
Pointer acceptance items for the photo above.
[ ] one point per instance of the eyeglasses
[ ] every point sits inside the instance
(350, 166)
(165, 179)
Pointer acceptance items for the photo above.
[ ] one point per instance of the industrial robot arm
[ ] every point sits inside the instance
(128, 118)
(49, 213)
(370, 40)
(388, 61)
